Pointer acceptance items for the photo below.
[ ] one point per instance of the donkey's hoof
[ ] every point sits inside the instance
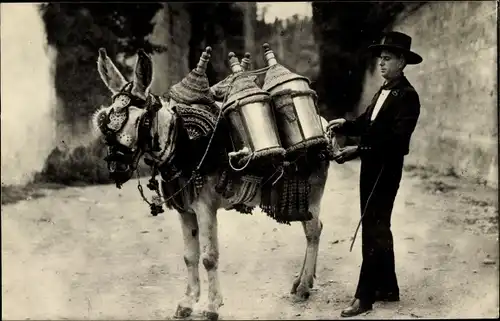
(211, 316)
(295, 286)
(182, 312)
(301, 294)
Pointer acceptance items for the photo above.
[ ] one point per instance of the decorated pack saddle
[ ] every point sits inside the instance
(261, 140)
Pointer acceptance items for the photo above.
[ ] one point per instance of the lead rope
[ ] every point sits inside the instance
(158, 200)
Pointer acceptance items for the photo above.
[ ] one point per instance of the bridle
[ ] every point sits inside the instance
(126, 158)
(114, 122)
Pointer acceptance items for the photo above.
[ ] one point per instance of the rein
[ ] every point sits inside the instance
(158, 200)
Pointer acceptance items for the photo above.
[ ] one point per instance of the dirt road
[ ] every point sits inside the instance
(97, 253)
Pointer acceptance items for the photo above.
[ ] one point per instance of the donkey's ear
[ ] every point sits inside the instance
(111, 76)
(143, 74)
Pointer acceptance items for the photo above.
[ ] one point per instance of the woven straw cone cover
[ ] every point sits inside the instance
(194, 88)
(277, 74)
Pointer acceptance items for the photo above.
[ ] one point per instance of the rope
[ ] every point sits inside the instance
(282, 170)
(193, 176)
(244, 166)
(281, 175)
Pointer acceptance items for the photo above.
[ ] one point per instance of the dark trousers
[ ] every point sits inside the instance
(378, 268)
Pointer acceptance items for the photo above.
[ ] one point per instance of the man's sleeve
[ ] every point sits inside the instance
(353, 127)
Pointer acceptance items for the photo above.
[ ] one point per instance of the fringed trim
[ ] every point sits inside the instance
(285, 201)
(198, 120)
(243, 209)
(248, 187)
(288, 200)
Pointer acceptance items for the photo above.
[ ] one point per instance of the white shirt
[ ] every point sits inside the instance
(380, 102)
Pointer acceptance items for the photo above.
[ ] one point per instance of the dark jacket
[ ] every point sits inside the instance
(390, 133)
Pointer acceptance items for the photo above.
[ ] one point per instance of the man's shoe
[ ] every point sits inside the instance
(386, 297)
(357, 307)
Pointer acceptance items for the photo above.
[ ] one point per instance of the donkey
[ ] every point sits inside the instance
(130, 125)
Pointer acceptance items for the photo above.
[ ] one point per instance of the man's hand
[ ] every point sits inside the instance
(334, 124)
(346, 154)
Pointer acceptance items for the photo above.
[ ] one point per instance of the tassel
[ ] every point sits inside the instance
(153, 184)
(156, 207)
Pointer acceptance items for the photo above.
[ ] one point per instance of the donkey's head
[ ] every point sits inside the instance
(129, 125)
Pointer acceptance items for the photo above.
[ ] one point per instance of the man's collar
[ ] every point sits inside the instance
(388, 85)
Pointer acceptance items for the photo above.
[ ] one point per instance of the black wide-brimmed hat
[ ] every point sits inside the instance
(398, 42)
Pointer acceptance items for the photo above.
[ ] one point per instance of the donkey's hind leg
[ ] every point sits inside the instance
(190, 232)
(312, 229)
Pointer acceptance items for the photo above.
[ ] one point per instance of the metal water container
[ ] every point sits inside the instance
(294, 102)
(251, 118)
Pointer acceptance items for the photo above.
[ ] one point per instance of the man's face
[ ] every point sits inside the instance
(390, 64)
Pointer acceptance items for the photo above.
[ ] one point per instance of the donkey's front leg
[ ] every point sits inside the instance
(206, 212)
(190, 233)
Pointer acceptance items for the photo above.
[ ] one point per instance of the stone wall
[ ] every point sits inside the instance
(457, 83)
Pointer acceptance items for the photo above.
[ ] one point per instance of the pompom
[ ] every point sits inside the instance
(98, 121)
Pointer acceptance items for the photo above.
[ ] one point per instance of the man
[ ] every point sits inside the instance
(385, 129)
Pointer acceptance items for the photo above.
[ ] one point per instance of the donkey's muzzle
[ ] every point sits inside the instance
(117, 167)
(119, 173)
(120, 166)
